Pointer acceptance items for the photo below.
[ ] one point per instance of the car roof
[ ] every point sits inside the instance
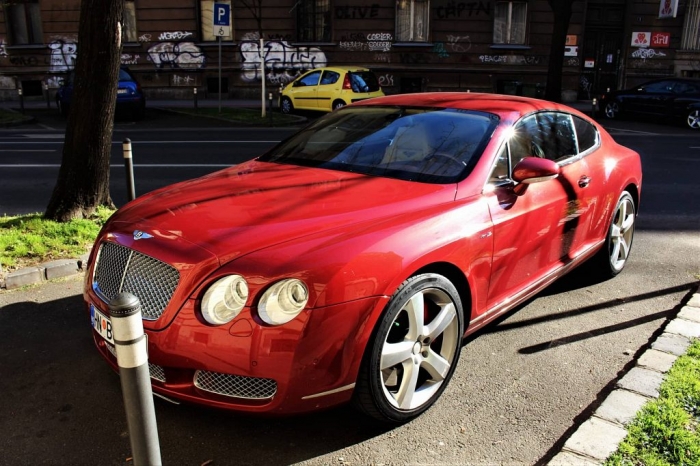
(341, 68)
(499, 104)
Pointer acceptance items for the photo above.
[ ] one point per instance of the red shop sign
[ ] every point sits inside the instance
(661, 39)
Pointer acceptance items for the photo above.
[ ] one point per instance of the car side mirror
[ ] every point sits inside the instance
(534, 170)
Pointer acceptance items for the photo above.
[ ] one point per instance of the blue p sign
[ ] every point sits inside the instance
(222, 14)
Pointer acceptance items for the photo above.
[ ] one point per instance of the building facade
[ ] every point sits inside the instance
(174, 47)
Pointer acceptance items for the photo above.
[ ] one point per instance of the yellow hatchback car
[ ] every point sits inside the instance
(325, 89)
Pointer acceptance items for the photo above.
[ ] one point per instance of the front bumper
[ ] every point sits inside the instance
(308, 364)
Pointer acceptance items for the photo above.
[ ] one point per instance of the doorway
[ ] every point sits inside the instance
(602, 48)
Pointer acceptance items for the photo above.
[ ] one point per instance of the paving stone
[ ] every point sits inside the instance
(596, 438)
(684, 327)
(690, 313)
(657, 360)
(24, 277)
(642, 381)
(60, 268)
(621, 406)
(566, 458)
(694, 300)
(670, 343)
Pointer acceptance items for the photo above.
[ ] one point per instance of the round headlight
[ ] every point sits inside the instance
(283, 301)
(224, 299)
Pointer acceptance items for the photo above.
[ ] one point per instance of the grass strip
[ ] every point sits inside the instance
(665, 432)
(242, 115)
(30, 239)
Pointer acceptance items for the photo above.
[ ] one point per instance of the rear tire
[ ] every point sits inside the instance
(413, 351)
(693, 119)
(338, 104)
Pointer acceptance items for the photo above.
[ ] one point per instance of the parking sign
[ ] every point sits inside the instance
(222, 19)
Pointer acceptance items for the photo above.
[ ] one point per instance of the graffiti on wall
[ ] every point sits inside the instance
(386, 80)
(357, 12)
(184, 55)
(283, 62)
(379, 41)
(511, 59)
(645, 54)
(177, 35)
(3, 52)
(144, 38)
(440, 51)
(130, 58)
(64, 51)
(186, 80)
(453, 9)
(459, 44)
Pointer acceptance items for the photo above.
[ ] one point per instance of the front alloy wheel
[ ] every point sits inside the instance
(414, 351)
(287, 106)
(612, 110)
(693, 119)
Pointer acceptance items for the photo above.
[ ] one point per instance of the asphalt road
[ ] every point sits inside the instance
(521, 387)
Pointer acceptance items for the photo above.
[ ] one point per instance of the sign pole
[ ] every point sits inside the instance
(219, 74)
(262, 74)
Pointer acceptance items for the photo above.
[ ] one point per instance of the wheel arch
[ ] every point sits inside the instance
(452, 273)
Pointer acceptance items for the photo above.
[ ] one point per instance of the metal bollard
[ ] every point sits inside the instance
(132, 358)
(129, 166)
(594, 107)
(269, 100)
(48, 98)
(196, 103)
(21, 99)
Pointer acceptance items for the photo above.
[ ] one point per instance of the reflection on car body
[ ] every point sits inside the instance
(349, 261)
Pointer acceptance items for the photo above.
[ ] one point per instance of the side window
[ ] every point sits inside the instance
(313, 20)
(206, 14)
(525, 141)
(556, 138)
(509, 22)
(310, 79)
(330, 77)
(23, 19)
(501, 171)
(412, 19)
(586, 134)
(663, 87)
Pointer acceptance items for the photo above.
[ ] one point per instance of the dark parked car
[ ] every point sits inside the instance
(675, 98)
(130, 98)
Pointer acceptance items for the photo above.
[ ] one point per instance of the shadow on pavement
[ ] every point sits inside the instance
(62, 404)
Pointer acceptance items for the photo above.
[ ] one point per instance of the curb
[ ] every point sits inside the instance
(599, 437)
(44, 272)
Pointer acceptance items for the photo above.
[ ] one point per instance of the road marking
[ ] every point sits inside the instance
(44, 136)
(610, 130)
(27, 150)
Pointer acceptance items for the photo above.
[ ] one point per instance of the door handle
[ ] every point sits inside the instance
(584, 181)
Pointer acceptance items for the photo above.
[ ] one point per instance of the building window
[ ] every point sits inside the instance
(23, 19)
(313, 21)
(412, 19)
(129, 32)
(206, 13)
(509, 21)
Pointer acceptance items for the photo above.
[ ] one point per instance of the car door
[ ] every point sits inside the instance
(328, 89)
(655, 98)
(537, 227)
(304, 92)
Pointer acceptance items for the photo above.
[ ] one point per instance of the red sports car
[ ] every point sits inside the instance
(348, 262)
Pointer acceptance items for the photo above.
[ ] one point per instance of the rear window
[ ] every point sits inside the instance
(415, 144)
(363, 81)
(124, 75)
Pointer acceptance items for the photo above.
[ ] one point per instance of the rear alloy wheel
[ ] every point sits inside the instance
(611, 259)
(693, 119)
(286, 105)
(612, 110)
(414, 350)
(338, 104)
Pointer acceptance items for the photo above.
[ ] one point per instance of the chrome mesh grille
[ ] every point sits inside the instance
(236, 386)
(121, 269)
(156, 371)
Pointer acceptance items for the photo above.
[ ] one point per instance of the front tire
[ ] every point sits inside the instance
(693, 120)
(612, 258)
(286, 105)
(413, 352)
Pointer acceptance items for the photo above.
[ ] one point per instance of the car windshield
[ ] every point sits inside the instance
(415, 144)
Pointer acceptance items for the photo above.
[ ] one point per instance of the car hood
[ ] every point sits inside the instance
(257, 204)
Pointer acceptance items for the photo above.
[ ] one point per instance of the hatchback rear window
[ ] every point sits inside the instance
(363, 81)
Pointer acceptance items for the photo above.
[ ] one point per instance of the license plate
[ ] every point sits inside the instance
(122, 91)
(101, 324)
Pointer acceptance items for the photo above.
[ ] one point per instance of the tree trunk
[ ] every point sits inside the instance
(562, 17)
(83, 179)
